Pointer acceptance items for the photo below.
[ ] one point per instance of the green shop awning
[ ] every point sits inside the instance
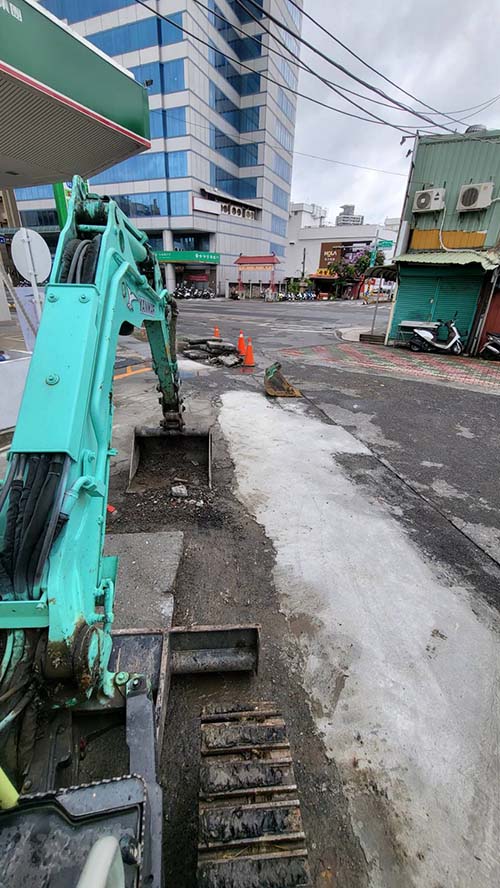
(65, 107)
(488, 259)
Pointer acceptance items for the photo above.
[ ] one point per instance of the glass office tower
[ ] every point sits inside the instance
(216, 182)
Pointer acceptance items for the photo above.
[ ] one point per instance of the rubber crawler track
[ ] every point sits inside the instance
(250, 826)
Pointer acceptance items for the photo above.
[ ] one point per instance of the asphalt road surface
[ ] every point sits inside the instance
(274, 324)
(379, 492)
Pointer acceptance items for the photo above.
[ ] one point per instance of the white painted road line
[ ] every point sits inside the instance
(401, 666)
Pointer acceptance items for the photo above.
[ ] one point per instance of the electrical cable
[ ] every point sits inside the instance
(482, 105)
(305, 67)
(342, 68)
(271, 79)
(251, 141)
(357, 166)
(375, 70)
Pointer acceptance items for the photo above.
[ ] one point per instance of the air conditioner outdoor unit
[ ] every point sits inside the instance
(429, 200)
(475, 197)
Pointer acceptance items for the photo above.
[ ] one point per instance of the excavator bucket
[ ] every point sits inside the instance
(167, 458)
(277, 386)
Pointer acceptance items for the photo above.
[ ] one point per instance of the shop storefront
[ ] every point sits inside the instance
(194, 269)
(438, 292)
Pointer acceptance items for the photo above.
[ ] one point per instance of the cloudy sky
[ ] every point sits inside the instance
(444, 52)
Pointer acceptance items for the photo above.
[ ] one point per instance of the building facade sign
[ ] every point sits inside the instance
(188, 256)
(329, 254)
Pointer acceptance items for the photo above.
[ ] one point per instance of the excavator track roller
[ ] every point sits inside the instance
(250, 825)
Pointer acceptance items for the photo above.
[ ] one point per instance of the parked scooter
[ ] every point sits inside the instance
(491, 348)
(427, 340)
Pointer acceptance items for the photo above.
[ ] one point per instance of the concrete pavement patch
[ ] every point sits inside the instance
(147, 571)
(403, 726)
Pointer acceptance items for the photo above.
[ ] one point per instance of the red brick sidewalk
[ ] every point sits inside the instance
(444, 369)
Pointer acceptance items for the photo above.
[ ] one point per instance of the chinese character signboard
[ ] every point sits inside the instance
(188, 256)
(329, 254)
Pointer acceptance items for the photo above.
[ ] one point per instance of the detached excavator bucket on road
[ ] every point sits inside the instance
(277, 386)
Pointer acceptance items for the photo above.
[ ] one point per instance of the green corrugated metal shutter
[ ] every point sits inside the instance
(416, 295)
(429, 294)
(458, 292)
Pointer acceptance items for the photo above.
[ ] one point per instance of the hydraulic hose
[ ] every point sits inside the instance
(52, 525)
(26, 561)
(81, 248)
(11, 474)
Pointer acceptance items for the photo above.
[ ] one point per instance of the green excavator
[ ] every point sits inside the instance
(66, 677)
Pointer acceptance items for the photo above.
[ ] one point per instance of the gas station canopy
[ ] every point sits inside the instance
(65, 107)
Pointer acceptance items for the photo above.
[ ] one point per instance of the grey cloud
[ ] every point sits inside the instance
(444, 53)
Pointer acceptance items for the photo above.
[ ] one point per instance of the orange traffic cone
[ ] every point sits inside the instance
(249, 358)
(216, 332)
(242, 349)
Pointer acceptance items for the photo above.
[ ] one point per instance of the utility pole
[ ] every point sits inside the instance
(304, 264)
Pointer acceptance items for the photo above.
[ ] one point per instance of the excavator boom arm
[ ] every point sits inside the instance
(53, 575)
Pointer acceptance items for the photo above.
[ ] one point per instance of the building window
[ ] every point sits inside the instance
(36, 192)
(287, 72)
(280, 198)
(244, 120)
(175, 122)
(278, 225)
(224, 67)
(167, 124)
(244, 84)
(290, 42)
(243, 47)
(249, 119)
(157, 124)
(37, 218)
(283, 136)
(149, 204)
(281, 167)
(166, 77)
(277, 249)
(295, 14)
(138, 35)
(76, 11)
(247, 47)
(249, 13)
(173, 76)
(191, 241)
(241, 155)
(155, 240)
(286, 105)
(177, 164)
(243, 189)
(168, 32)
(180, 203)
(249, 84)
(144, 166)
(149, 71)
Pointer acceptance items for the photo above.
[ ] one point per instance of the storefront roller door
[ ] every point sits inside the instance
(431, 293)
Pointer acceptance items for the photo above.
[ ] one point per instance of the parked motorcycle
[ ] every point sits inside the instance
(491, 348)
(427, 340)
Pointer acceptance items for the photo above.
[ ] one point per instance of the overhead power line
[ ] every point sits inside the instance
(251, 141)
(305, 67)
(300, 64)
(447, 114)
(271, 79)
(345, 70)
(356, 166)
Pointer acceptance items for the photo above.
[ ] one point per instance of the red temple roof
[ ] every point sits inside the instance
(257, 260)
